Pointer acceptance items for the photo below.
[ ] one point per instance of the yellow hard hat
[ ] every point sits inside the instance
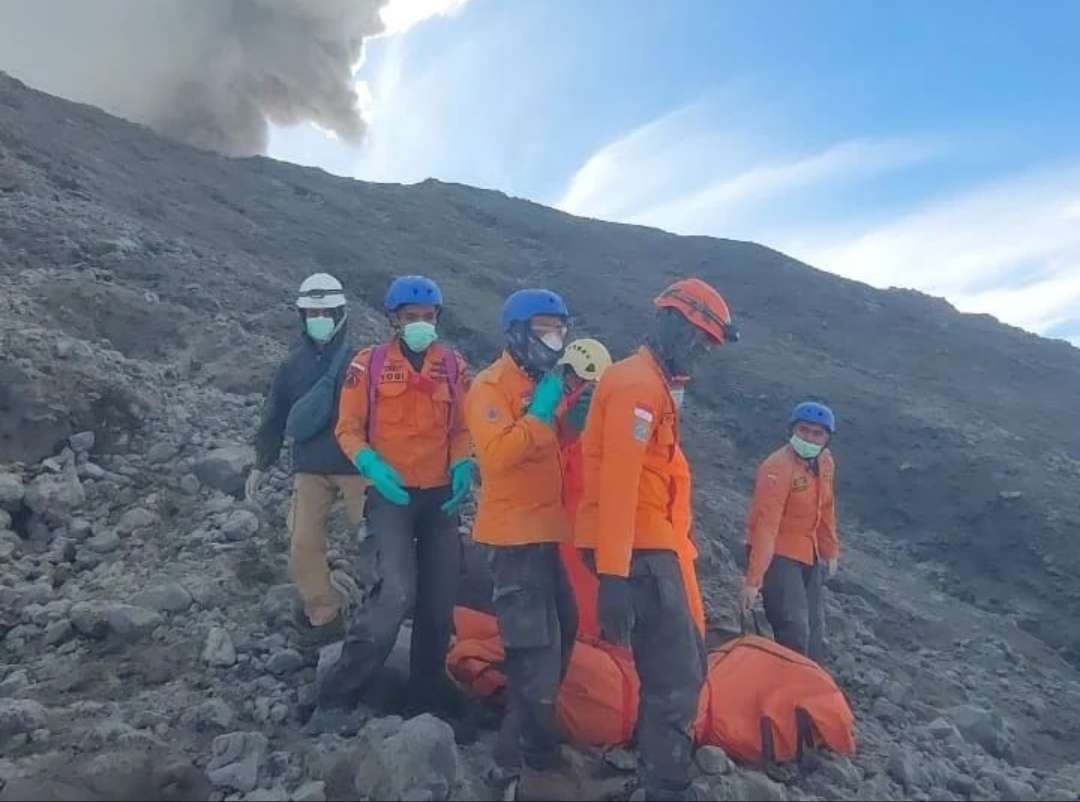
(588, 358)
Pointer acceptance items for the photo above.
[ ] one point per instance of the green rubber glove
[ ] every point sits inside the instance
(576, 416)
(381, 474)
(546, 398)
(461, 481)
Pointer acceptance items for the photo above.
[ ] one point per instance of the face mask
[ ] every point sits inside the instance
(320, 329)
(678, 395)
(419, 336)
(804, 449)
(553, 340)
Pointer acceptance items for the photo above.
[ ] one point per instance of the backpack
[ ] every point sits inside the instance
(763, 702)
(375, 369)
(316, 409)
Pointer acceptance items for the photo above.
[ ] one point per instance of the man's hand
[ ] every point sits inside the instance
(251, 486)
(832, 566)
(615, 609)
(747, 596)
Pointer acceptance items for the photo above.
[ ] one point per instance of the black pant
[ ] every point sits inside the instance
(537, 616)
(670, 659)
(793, 605)
(412, 555)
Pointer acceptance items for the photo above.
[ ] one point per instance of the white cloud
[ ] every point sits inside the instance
(1010, 248)
(400, 15)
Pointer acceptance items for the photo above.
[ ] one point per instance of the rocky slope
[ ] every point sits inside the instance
(144, 298)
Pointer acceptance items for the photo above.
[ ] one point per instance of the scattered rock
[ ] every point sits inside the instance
(983, 727)
(311, 791)
(89, 619)
(12, 491)
(237, 758)
(20, 717)
(59, 632)
(14, 683)
(219, 649)
(754, 787)
(284, 662)
(225, 469)
(55, 493)
(134, 519)
(5, 519)
(419, 761)
(713, 760)
(131, 622)
(105, 542)
(621, 759)
(82, 442)
(170, 597)
(241, 525)
(160, 452)
(214, 714)
(901, 767)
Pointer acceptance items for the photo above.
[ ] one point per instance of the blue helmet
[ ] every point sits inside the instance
(523, 305)
(412, 290)
(813, 412)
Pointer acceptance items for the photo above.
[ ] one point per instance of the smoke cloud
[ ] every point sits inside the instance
(212, 73)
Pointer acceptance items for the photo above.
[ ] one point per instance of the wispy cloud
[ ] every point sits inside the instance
(1009, 247)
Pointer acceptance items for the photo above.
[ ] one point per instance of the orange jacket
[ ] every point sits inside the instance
(520, 499)
(630, 445)
(413, 430)
(793, 512)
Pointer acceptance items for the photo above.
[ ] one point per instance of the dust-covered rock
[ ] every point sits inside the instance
(135, 519)
(131, 622)
(236, 760)
(418, 761)
(12, 491)
(219, 649)
(21, 717)
(168, 597)
(240, 525)
(983, 727)
(225, 469)
(56, 494)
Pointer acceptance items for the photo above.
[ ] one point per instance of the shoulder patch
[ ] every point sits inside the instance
(354, 374)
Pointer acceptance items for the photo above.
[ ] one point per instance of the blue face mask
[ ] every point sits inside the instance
(320, 329)
(419, 336)
(804, 449)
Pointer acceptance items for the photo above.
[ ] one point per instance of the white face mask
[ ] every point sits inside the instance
(553, 340)
(678, 395)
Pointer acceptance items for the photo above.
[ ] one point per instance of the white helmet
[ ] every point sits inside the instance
(321, 291)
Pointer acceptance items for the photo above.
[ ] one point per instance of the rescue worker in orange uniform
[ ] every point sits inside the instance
(401, 422)
(511, 411)
(626, 523)
(584, 362)
(791, 531)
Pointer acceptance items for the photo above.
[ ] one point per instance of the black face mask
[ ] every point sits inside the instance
(529, 352)
(677, 343)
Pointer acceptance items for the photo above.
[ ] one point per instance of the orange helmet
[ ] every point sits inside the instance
(702, 306)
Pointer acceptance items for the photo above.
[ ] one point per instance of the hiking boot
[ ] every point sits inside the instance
(310, 637)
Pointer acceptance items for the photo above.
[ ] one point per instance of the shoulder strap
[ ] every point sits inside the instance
(375, 368)
(453, 379)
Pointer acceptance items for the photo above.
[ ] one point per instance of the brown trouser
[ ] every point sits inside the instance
(313, 496)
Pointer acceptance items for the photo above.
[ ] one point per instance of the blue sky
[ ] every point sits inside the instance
(934, 146)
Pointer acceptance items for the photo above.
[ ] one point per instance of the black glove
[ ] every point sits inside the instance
(615, 609)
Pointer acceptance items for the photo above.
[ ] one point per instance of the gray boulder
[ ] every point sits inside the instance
(225, 469)
(983, 727)
(82, 442)
(130, 622)
(136, 518)
(56, 494)
(241, 525)
(219, 649)
(170, 597)
(237, 758)
(419, 761)
(20, 717)
(12, 491)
